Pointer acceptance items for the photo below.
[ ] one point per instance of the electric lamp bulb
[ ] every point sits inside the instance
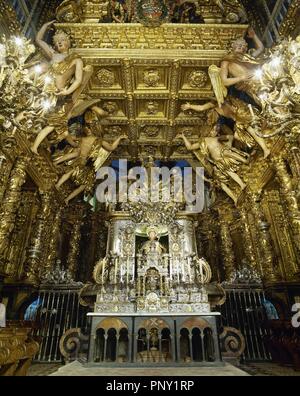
(38, 69)
(46, 105)
(258, 73)
(19, 41)
(275, 62)
(48, 80)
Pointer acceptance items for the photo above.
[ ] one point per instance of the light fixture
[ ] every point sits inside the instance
(19, 42)
(275, 62)
(38, 69)
(46, 105)
(258, 73)
(48, 80)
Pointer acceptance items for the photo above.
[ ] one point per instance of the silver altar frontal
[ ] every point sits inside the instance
(152, 302)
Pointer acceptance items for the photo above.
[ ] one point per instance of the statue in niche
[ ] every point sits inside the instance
(119, 11)
(153, 245)
(185, 12)
(238, 67)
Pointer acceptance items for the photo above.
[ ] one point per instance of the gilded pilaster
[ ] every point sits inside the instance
(264, 238)
(54, 240)
(290, 198)
(248, 243)
(227, 250)
(11, 203)
(5, 168)
(33, 262)
(74, 248)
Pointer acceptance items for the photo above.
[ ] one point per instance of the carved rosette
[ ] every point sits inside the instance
(105, 77)
(197, 79)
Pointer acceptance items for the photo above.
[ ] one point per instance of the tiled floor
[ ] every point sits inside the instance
(253, 369)
(77, 369)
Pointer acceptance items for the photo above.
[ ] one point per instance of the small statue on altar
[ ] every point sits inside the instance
(153, 245)
(241, 69)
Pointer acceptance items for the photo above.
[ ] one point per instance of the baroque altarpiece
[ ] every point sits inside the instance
(159, 84)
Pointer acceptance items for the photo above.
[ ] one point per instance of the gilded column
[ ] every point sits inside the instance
(34, 257)
(290, 197)
(5, 168)
(74, 248)
(227, 250)
(248, 243)
(11, 203)
(54, 240)
(264, 238)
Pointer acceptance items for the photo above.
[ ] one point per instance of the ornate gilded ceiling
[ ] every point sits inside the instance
(143, 76)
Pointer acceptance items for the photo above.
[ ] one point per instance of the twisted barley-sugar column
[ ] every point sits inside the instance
(227, 250)
(74, 248)
(290, 198)
(54, 238)
(248, 243)
(34, 258)
(264, 238)
(11, 202)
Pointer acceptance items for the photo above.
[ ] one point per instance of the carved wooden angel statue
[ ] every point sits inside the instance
(58, 123)
(239, 112)
(65, 68)
(220, 159)
(69, 77)
(233, 108)
(90, 147)
(241, 69)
